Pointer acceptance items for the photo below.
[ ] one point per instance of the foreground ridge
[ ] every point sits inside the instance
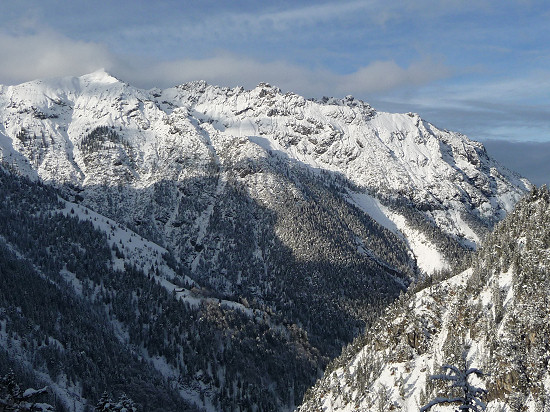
(491, 316)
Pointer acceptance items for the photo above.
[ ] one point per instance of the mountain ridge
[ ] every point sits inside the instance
(405, 154)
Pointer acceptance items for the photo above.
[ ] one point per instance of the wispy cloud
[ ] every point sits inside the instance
(48, 54)
(509, 108)
(377, 12)
(266, 20)
(312, 14)
(367, 26)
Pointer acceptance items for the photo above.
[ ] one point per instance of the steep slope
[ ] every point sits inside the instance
(88, 306)
(493, 316)
(61, 305)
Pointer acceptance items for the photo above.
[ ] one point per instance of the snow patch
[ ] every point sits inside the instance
(374, 209)
(428, 258)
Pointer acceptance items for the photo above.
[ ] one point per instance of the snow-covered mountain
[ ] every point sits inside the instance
(494, 317)
(274, 226)
(195, 129)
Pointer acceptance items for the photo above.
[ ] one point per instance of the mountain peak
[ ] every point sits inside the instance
(264, 87)
(100, 76)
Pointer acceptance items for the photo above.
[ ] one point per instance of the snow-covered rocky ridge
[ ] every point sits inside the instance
(494, 316)
(171, 134)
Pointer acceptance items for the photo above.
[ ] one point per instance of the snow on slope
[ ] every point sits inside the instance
(137, 251)
(144, 254)
(428, 258)
(398, 380)
(390, 153)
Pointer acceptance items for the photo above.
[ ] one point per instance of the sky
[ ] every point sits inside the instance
(481, 68)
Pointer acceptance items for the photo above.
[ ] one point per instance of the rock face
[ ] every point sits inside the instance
(301, 218)
(493, 316)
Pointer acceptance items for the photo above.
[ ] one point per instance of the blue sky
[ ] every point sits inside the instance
(482, 68)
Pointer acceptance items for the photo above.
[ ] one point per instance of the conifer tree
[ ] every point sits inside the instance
(104, 403)
(470, 400)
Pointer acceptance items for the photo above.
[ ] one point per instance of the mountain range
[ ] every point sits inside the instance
(225, 244)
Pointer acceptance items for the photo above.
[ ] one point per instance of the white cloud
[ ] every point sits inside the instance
(223, 70)
(382, 76)
(48, 54)
(230, 70)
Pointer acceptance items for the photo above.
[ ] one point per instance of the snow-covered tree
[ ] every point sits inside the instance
(13, 399)
(471, 395)
(104, 404)
(124, 404)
